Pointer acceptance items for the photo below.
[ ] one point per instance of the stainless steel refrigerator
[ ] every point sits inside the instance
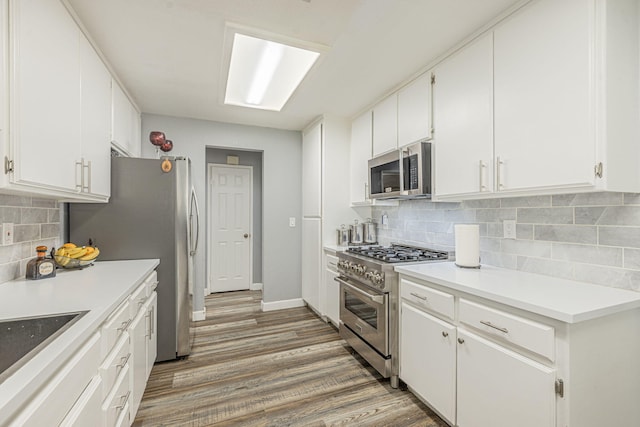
(152, 213)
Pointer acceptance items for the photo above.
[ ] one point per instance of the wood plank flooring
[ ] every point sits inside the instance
(279, 368)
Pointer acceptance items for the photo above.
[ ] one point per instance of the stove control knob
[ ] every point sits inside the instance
(369, 275)
(361, 270)
(353, 267)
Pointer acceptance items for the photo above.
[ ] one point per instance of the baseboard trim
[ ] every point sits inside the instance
(281, 305)
(256, 286)
(199, 315)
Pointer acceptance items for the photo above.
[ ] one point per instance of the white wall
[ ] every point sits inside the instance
(282, 152)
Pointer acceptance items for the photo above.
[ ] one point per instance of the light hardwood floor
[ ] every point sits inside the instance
(280, 368)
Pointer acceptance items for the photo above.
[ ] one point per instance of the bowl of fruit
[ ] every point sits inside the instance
(70, 255)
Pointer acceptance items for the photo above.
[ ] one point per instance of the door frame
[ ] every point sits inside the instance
(210, 218)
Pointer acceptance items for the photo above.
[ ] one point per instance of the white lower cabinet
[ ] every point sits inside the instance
(428, 359)
(152, 332)
(500, 388)
(480, 363)
(332, 288)
(86, 411)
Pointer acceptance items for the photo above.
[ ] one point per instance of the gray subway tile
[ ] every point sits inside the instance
(495, 229)
(527, 248)
(632, 258)
(26, 232)
(489, 244)
(588, 199)
(495, 215)
(566, 233)
(524, 231)
(461, 216)
(9, 271)
(12, 200)
(33, 216)
(619, 215)
(632, 198)
(53, 215)
(546, 267)
(448, 205)
(10, 214)
(49, 230)
(44, 203)
(628, 237)
(545, 215)
(525, 202)
(607, 276)
(600, 255)
(498, 259)
(589, 215)
(481, 204)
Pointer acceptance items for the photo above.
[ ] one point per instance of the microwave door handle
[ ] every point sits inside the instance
(401, 155)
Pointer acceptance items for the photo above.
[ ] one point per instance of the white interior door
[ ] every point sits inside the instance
(230, 225)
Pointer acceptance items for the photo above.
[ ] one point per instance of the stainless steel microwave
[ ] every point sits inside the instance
(402, 173)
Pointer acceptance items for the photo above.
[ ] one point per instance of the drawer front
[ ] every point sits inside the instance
(114, 327)
(522, 332)
(86, 411)
(114, 363)
(332, 263)
(117, 401)
(137, 299)
(430, 299)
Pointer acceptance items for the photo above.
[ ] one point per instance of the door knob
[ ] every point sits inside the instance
(246, 235)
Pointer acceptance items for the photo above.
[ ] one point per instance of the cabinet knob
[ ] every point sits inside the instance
(445, 334)
(460, 340)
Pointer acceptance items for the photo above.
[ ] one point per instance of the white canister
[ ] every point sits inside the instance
(467, 238)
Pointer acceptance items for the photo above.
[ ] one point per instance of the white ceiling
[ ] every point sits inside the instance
(169, 53)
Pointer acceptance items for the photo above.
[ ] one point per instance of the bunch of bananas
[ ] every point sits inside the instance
(70, 251)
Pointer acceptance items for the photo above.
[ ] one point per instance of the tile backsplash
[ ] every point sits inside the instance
(590, 237)
(36, 222)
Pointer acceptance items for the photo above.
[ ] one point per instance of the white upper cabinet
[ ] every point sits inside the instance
(56, 143)
(544, 97)
(96, 122)
(360, 153)
(312, 172)
(385, 125)
(566, 85)
(125, 133)
(463, 120)
(414, 111)
(45, 95)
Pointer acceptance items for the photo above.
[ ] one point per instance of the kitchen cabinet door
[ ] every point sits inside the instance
(152, 332)
(332, 289)
(122, 119)
(45, 95)
(414, 111)
(311, 262)
(312, 172)
(428, 359)
(4, 86)
(463, 121)
(138, 359)
(136, 124)
(96, 122)
(544, 96)
(499, 388)
(385, 125)
(360, 153)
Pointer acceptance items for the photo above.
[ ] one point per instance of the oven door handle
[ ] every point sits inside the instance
(378, 299)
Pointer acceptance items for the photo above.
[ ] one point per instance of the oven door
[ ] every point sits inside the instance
(366, 312)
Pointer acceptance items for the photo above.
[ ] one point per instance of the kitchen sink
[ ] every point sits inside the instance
(23, 338)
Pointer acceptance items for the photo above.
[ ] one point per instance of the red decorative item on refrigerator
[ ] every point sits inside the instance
(167, 146)
(157, 138)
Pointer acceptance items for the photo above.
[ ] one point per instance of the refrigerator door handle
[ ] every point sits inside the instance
(194, 203)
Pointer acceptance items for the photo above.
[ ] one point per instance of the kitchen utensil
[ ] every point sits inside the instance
(369, 231)
(344, 235)
(356, 233)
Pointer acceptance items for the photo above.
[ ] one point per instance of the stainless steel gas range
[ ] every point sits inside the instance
(369, 295)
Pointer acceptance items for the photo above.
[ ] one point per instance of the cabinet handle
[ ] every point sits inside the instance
(418, 296)
(86, 166)
(499, 163)
(153, 312)
(80, 167)
(460, 340)
(123, 361)
(124, 325)
(491, 325)
(445, 334)
(123, 401)
(483, 187)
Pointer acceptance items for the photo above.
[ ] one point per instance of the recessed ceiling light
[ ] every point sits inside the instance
(264, 73)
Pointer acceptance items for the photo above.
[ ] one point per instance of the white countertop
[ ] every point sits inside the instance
(335, 248)
(99, 289)
(565, 300)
